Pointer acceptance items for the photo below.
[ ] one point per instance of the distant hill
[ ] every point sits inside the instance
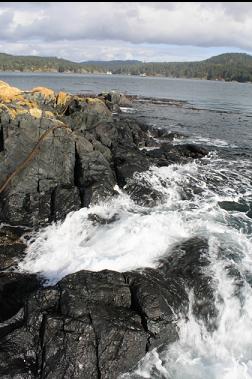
(114, 62)
(228, 67)
(44, 64)
(115, 66)
(231, 58)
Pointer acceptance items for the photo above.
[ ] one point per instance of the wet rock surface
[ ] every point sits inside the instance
(58, 153)
(97, 324)
(12, 247)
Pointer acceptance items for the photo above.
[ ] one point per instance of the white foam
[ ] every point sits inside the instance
(138, 236)
(128, 109)
(204, 141)
(227, 352)
(135, 239)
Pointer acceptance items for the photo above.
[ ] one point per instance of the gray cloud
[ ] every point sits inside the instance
(67, 26)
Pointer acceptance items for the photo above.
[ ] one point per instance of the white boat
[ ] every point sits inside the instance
(143, 74)
(109, 73)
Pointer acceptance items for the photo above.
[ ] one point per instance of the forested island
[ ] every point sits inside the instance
(227, 67)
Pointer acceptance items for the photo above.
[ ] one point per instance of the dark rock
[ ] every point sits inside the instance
(189, 263)
(27, 198)
(104, 150)
(114, 99)
(11, 246)
(14, 290)
(69, 348)
(142, 193)
(100, 324)
(56, 167)
(191, 150)
(169, 154)
(122, 340)
(127, 161)
(84, 327)
(64, 201)
(84, 288)
(106, 134)
(249, 213)
(234, 206)
(75, 105)
(166, 134)
(151, 142)
(68, 154)
(84, 114)
(96, 219)
(156, 299)
(95, 176)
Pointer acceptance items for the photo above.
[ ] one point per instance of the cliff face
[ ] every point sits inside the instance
(58, 153)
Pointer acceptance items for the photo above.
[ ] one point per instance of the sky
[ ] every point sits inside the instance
(147, 31)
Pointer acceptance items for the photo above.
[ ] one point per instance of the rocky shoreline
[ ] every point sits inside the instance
(59, 153)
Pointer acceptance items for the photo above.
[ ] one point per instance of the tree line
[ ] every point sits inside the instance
(228, 67)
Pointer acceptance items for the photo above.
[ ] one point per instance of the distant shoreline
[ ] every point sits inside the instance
(224, 67)
(113, 75)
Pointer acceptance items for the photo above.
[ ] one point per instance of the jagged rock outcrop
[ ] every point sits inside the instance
(114, 100)
(38, 166)
(59, 152)
(98, 324)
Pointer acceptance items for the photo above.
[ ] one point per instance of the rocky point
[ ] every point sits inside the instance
(60, 152)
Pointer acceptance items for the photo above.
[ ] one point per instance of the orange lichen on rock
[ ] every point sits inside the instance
(19, 106)
(62, 98)
(8, 93)
(93, 100)
(4, 84)
(26, 103)
(47, 93)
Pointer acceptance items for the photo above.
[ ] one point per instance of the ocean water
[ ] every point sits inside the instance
(200, 93)
(209, 198)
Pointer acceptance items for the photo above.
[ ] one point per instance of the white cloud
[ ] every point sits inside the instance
(122, 29)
